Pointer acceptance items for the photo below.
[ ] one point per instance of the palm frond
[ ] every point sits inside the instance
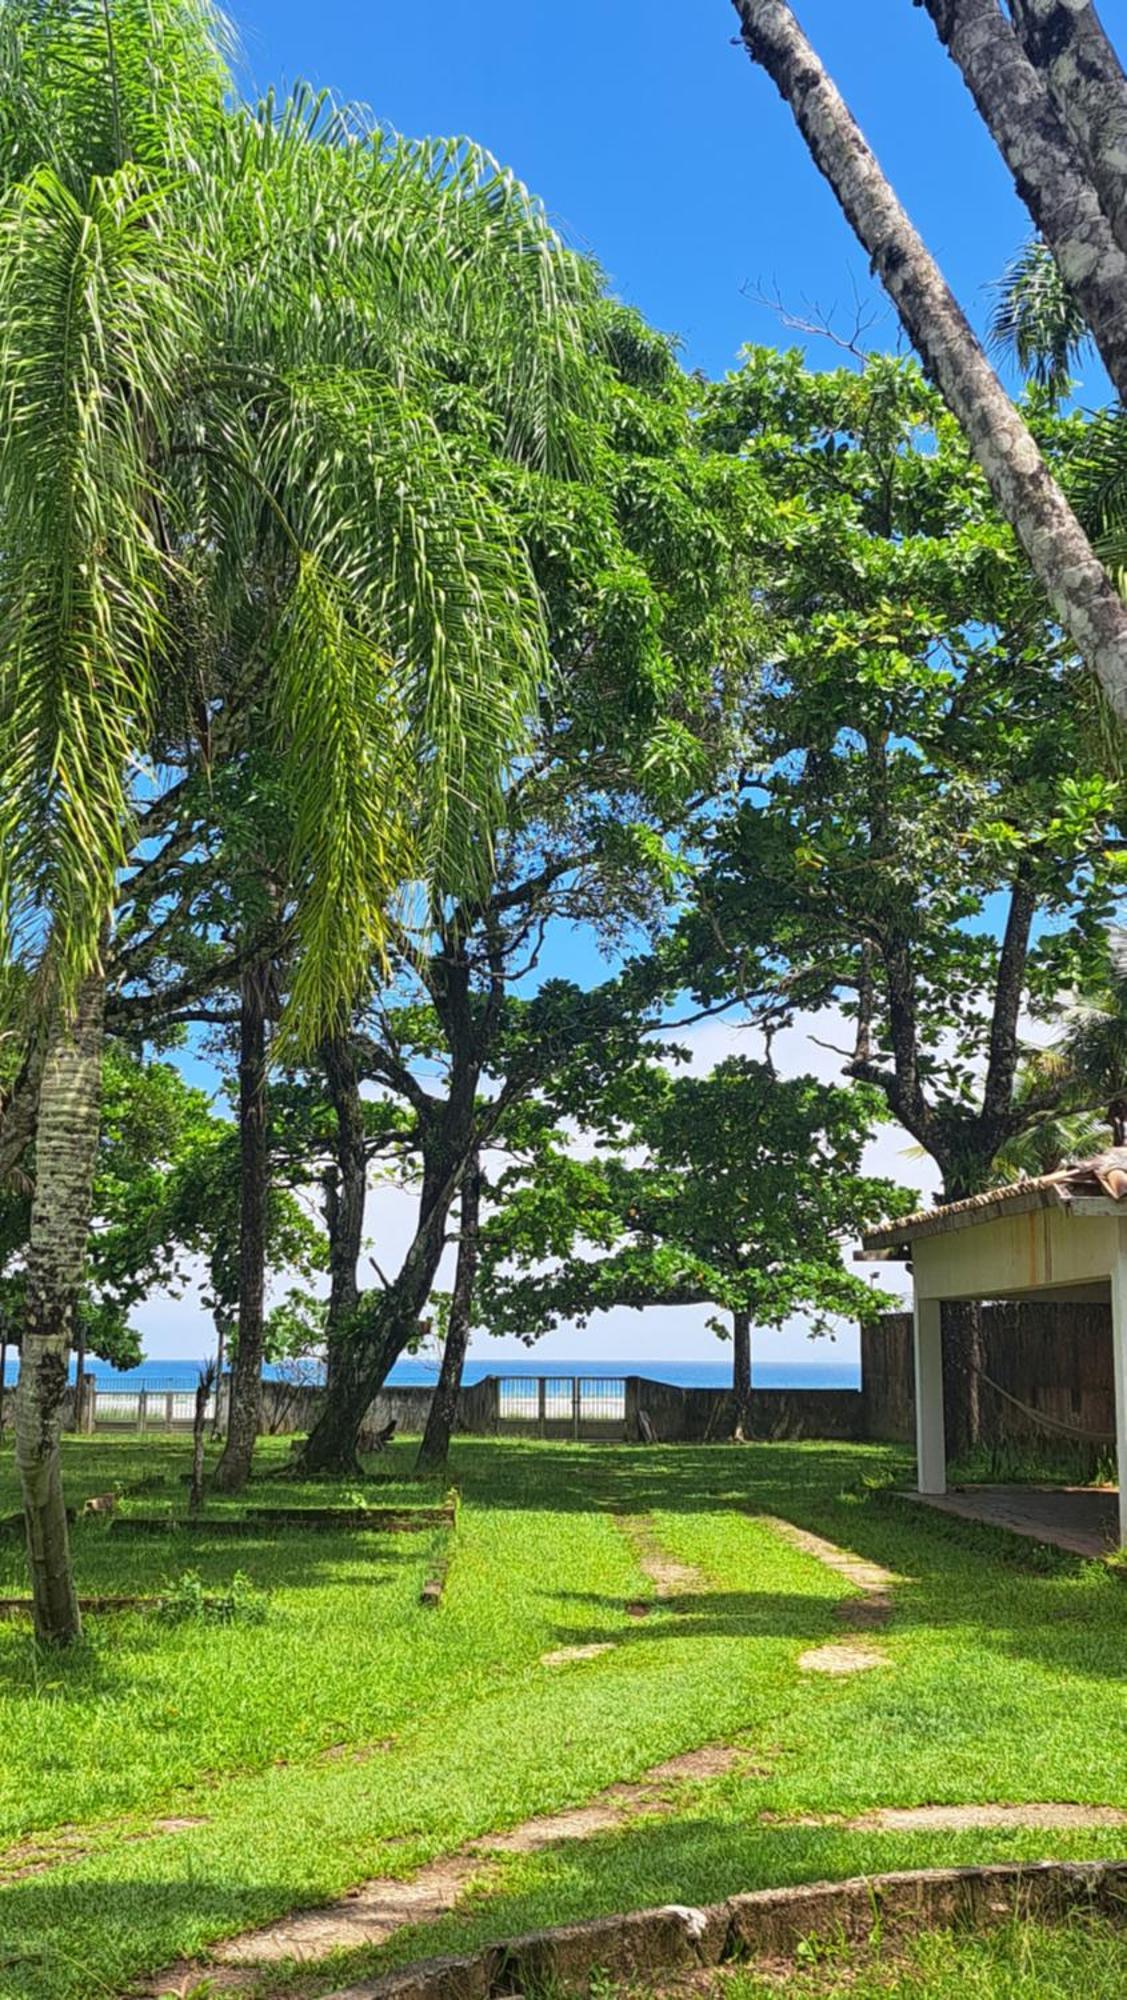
(1037, 319)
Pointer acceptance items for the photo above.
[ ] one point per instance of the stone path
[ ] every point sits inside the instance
(376, 1910)
(866, 1613)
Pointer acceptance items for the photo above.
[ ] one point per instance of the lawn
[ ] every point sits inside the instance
(353, 1732)
(1016, 1962)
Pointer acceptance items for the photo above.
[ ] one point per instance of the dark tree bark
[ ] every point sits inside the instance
(435, 1448)
(220, 1319)
(1065, 40)
(741, 1375)
(208, 1380)
(66, 1145)
(79, 1376)
(382, 1327)
(1052, 180)
(346, 1187)
(963, 1360)
(233, 1470)
(1059, 552)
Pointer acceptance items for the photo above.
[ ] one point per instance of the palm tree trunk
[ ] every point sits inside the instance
(741, 1375)
(1016, 105)
(66, 1144)
(1067, 43)
(233, 1470)
(1026, 494)
(435, 1448)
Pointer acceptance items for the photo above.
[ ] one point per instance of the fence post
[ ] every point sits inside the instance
(142, 1408)
(630, 1409)
(575, 1385)
(543, 1404)
(168, 1413)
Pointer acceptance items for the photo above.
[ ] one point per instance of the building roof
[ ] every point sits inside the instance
(1104, 1177)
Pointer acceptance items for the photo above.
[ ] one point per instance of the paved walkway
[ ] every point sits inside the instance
(1081, 1519)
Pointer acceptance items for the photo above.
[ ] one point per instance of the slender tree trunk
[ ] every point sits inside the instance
(66, 1144)
(1065, 40)
(3, 1382)
(208, 1379)
(220, 1319)
(79, 1374)
(1059, 553)
(233, 1470)
(1018, 109)
(741, 1375)
(344, 1195)
(435, 1448)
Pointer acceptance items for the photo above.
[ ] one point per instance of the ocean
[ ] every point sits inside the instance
(813, 1374)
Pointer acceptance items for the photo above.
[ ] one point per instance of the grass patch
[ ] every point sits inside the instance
(1018, 1961)
(355, 1733)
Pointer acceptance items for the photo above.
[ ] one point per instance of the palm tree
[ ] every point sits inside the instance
(1038, 319)
(270, 383)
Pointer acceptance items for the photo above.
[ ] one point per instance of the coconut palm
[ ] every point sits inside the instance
(275, 390)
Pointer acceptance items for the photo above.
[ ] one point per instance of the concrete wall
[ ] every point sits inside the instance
(696, 1416)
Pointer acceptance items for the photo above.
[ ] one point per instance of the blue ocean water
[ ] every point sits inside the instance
(813, 1374)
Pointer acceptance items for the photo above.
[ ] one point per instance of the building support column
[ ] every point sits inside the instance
(931, 1440)
(1119, 1346)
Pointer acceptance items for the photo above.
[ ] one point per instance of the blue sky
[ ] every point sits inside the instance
(659, 149)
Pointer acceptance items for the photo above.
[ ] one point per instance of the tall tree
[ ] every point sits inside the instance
(735, 1190)
(274, 353)
(922, 835)
(1060, 554)
(646, 572)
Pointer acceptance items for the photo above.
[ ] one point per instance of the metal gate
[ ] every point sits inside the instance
(563, 1406)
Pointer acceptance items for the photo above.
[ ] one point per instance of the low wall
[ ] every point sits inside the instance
(696, 1416)
(294, 1406)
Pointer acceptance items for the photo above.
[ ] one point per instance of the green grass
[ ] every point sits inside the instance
(1004, 1685)
(1018, 1961)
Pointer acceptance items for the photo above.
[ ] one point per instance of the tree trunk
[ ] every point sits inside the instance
(3, 1383)
(208, 1379)
(1059, 553)
(741, 1375)
(344, 1195)
(66, 1145)
(963, 1361)
(220, 1319)
(381, 1329)
(1066, 42)
(1015, 104)
(79, 1375)
(435, 1448)
(233, 1470)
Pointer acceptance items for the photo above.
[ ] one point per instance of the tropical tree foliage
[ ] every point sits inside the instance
(735, 1190)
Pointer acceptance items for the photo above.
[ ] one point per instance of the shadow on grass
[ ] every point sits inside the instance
(96, 1934)
(705, 1614)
